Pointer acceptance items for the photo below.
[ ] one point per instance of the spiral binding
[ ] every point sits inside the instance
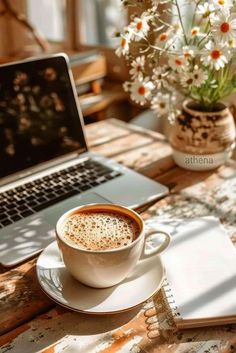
(161, 311)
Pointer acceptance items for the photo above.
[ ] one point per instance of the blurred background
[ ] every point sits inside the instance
(84, 30)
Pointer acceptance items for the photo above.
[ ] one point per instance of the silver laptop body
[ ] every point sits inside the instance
(42, 143)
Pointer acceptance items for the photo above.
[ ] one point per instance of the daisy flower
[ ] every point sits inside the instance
(159, 77)
(161, 103)
(188, 52)
(137, 67)
(139, 27)
(199, 76)
(178, 63)
(152, 14)
(126, 86)
(195, 31)
(224, 27)
(205, 10)
(215, 56)
(164, 38)
(123, 49)
(141, 90)
(194, 78)
(173, 36)
(224, 5)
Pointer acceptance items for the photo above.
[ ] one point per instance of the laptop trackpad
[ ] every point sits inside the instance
(52, 213)
(90, 197)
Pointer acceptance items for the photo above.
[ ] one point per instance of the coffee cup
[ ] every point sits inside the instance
(114, 260)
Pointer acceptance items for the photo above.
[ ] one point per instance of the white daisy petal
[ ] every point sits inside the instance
(141, 91)
(161, 103)
(137, 67)
(178, 63)
(189, 51)
(194, 78)
(223, 28)
(216, 56)
(127, 86)
(205, 10)
(123, 49)
(159, 77)
(195, 32)
(139, 27)
(220, 5)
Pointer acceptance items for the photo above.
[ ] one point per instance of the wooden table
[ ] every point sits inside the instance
(31, 322)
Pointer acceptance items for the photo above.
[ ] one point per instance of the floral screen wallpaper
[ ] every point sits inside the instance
(39, 119)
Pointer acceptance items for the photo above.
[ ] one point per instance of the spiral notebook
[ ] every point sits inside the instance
(201, 273)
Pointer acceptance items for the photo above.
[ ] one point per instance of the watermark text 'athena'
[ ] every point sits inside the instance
(198, 160)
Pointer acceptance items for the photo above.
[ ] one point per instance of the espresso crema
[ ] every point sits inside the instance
(95, 230)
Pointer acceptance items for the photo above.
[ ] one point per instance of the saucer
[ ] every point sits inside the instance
(55, 280)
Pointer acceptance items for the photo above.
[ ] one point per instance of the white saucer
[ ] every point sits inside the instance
(59, 285)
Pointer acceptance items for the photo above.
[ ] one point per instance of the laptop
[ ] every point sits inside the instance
(45, 166)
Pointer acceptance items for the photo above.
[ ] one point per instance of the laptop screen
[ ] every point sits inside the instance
(39, 118)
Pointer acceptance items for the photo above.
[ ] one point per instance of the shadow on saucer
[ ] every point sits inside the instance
(145, 265)
(78, 295)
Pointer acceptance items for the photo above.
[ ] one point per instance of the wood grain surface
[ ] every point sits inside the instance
(31, 322)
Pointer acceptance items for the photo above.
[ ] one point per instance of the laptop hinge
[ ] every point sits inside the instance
(41, 168)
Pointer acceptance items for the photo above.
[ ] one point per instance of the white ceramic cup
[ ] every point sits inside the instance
(106, 268)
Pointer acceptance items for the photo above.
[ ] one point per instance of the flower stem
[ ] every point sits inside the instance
(181, 21)
(194, 14)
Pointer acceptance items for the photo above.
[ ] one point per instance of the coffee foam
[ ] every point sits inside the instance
(100, 230)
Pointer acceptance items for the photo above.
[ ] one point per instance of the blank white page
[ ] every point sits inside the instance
(201, 269)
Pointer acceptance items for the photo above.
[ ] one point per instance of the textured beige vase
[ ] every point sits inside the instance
(202, 140)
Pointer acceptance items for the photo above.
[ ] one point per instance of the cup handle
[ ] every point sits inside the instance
(158, 249)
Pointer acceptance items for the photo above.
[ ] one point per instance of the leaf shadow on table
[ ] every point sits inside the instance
(187, 206)
(92, 330)
(62, 329)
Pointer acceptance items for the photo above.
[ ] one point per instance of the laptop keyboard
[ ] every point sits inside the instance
(32, 197)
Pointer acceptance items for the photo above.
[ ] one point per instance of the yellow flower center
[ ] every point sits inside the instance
(207, 14)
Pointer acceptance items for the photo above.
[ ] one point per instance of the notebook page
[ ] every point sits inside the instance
(201, 269)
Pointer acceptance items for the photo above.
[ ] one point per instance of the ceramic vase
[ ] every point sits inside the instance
(202, 140)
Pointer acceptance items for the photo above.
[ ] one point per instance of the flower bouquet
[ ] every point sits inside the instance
(185, 48)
